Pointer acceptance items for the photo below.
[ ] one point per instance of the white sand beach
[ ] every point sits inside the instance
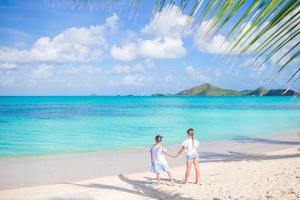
(245, 168)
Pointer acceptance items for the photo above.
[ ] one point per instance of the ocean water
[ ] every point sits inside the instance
(53, 125)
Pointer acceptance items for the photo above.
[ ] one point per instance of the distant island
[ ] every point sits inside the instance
(207, 89)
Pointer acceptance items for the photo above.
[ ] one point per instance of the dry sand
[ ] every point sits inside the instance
(249, 168)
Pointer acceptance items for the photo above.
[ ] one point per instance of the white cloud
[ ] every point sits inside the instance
(125, 53)
(159, 48)
(162, 48)
(166, 29)
(137, 68)
(7, 66)
(131, 80)
(205, 74)
(217, 44)
(148, 63)
(72, 45)
(257, 65)
(82, 70)
(125, 69)
(112, 22)
(195, 74)
(257, 69)
(120, 69)
(169, 22)
(42, 72)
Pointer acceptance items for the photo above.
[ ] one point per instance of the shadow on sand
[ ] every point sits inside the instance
(142, 188)
(237, 156)
(247, 139)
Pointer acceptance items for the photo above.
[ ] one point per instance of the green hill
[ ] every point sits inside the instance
(207, 89)
(280, 92)
(261, 91)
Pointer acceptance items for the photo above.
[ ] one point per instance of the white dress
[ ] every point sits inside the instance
(159, 163)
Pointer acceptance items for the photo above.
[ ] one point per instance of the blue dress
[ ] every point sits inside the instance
(159, 163)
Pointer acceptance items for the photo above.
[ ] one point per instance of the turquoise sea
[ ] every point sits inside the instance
(53, 125)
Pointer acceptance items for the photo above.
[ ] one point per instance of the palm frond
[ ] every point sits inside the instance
(273, 25)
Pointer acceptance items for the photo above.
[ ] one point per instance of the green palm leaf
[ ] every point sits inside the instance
(282, 13)
(290, 60)
(273, 24)
(284, 28)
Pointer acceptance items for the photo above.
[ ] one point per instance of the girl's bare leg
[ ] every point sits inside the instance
(188, 170)
(170, 176)
(158, 178)
(196, 165)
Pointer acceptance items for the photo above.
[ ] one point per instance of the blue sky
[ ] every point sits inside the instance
(47, 48)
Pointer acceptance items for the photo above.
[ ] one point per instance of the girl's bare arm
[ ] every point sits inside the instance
(171, 155)
(180, 151)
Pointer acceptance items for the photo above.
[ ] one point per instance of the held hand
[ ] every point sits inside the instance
(171, 155)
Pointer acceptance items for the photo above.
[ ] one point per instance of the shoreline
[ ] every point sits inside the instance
(53, 169)
(280, 134)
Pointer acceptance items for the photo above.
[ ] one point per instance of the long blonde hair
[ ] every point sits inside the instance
(190, 133)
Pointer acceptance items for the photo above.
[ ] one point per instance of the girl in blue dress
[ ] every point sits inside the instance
(158, 161)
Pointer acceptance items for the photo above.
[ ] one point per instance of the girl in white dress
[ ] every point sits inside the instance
(158, 161)
(191, 147)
